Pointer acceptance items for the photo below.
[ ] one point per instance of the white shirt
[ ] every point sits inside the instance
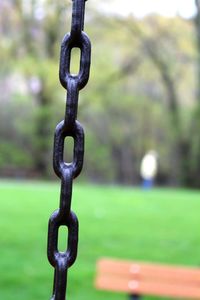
(148, 168)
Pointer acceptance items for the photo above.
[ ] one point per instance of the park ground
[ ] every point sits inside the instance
(161, 225)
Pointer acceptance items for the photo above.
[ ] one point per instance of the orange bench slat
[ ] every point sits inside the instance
(137, 270)
(147, 288)
(148, 279)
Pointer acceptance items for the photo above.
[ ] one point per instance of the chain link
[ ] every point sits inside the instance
(69, 127)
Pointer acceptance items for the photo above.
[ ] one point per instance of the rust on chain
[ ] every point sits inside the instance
(69, 127)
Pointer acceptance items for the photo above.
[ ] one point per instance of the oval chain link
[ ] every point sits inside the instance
(69, 127)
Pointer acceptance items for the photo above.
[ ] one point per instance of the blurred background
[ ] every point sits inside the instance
(143, 94)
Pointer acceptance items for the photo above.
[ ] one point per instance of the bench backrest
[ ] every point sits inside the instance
(148, 279)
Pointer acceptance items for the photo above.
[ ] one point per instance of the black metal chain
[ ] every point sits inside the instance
(69, 127)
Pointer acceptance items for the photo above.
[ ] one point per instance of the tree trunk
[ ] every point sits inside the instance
(195, 154)
(42, 133)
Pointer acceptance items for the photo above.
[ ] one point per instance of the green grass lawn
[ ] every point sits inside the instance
(157, 226)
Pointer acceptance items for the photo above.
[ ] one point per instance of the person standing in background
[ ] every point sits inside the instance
(148, 169)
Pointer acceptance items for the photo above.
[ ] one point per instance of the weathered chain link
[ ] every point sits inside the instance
(69, 127)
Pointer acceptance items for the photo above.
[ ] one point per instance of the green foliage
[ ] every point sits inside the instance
(141, 94)
(20, 158)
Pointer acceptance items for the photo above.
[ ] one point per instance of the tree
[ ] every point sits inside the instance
(195, 127)
(162, 46)
(35, 49)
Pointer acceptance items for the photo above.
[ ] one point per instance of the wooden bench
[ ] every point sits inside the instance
(137, 278)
